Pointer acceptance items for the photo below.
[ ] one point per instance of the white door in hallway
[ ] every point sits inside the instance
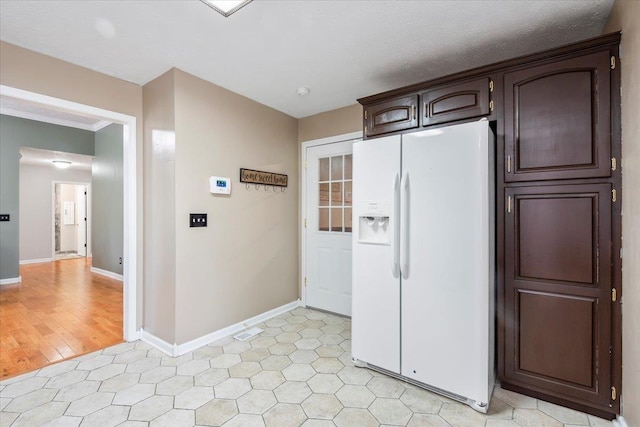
(81, 218)
(328, 227)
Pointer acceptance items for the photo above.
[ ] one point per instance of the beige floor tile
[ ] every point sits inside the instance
(275, 363)
(64, 421)
(244, 369)
(256, 402)
(77, 391)
(267, 380)
(421, 401)
(292, 392)
(350, 417)
(515, 400)
(564, 415)
(211, 377)
(119, 382)
(255, 354)
(232, 388)
(355, 376)
(174, 385)
(355, 396)
(193, 367)
(386, 387)
(298, 372)
(427, 420)
(106, 417)
(284, 415)
(225, 361)
(134, 394)
(216, 412)
(459, 415)
(151, 408)
(303, 356)
(193, 398)
(31, 400)
(90, 404)
(325, 383)
(38, 416)
(534, 418)
(245, 420)
(322, 406)
(327, 365)
(158, 374)
(175, 418)
(390, 411)
(499, 409)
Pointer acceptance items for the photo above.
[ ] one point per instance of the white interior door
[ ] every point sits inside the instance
(81, 218)
(328, 227)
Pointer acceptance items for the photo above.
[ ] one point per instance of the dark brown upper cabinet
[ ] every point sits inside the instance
(558, 291)
(557, 122)
(456, 102)
(390, 116)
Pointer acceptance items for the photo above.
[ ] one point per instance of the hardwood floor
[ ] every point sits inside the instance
(60, 310)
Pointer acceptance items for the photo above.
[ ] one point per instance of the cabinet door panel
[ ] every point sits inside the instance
(558, 290)
(557, 120)
(455, 102)
(390, 116)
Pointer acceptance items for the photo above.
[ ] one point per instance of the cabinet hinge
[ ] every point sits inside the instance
(614, 393)
(598, 264)
(614, 295)
(509, 163)
(614, 195)
(613, 62)
(414, 111)
(305, 282)
(490, 85)
(305, 223)
(491, 105)
(509, 204)
(365, 114)
(614, 164)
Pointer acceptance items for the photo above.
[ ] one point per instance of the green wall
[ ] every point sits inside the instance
(15, 133)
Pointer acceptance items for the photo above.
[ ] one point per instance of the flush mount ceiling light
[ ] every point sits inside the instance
(62, 164)
(303, 91)
(226, 7)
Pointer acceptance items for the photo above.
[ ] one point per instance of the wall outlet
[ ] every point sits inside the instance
(197, 220)
(5, 217)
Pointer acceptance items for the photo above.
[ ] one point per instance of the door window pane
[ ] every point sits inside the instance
(323, 194)
(336, 168)
(323, 168)
(323, 219)
(336, 219)
(347, 193)
(336, 194)
(348, 167)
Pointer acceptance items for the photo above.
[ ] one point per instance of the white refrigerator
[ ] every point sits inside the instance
(423, 259)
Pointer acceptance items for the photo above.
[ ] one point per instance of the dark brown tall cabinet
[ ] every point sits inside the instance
(561, 243)
(557, 120)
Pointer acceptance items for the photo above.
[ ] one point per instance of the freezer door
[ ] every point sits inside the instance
(376, 283)
(447, 290)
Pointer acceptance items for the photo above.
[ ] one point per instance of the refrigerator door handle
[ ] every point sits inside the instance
(404, 226)
(396, 225)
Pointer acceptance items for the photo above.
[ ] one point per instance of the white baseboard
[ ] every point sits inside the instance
(107, 273)
(160, 344)
(178, 350)
(11, 280)
(620, 422)
(35, 261)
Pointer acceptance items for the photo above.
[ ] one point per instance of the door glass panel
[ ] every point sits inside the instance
(323, 219)
(334, 191)
(348, 168)
(336, 194)
(323, 194)
(347, 194)
(336, 168)
(336, 219)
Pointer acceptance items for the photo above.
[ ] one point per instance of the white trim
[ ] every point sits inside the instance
(130, 250)
(47, 119)
(158, 343)
(303, 199)
(35, 261)
(176, 350)
(620, 422)
(11, 280)
(100, 125)
(107, 273)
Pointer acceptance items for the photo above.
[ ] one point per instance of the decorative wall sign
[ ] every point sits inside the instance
(251, 176)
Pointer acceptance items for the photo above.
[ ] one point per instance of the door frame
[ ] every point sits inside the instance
(354, 136)
(131, 223)
(53, 215)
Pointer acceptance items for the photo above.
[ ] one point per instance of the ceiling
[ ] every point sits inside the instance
(340, 50)
(35, 156)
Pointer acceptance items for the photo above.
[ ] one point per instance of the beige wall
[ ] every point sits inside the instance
(245, 262)
(24, 69)
(330, 123)
(624, 16)
(159, 200)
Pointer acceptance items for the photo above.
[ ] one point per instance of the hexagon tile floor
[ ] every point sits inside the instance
(298, 372)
